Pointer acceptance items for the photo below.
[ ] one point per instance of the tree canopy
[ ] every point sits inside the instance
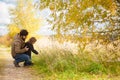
(24, 16)
(83, 21)
(81, 17)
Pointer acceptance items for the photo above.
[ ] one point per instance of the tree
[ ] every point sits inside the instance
(80, 19)
(118, 18)
(24, 16)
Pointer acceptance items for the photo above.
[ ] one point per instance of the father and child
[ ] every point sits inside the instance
(21, 50)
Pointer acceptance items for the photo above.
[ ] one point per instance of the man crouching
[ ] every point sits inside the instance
(17, 49)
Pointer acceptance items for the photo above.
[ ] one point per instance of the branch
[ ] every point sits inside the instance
(106, 31)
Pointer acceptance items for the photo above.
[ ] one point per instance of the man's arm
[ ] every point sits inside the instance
(18, 48)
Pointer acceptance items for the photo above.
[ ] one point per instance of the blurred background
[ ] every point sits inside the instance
(72, 35)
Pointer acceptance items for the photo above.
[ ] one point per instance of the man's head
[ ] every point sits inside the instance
(23, 34)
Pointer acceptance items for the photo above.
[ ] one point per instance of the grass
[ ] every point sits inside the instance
(73, 68)
(56, 62)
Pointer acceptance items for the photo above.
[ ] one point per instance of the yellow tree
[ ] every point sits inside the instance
(24, 16)
(80, 18)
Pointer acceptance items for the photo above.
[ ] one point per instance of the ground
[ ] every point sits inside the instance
(9, 72)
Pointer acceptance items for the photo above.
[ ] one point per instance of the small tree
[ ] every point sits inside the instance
(24, 16)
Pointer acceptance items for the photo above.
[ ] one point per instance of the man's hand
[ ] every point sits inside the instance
(26, 48)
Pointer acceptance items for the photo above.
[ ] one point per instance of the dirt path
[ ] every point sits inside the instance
(9, 72)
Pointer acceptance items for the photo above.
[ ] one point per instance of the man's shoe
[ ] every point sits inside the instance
(29, 64)
(32, 64)
(16, 64)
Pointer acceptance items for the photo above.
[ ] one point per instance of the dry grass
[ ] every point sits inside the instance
(46, 43)
(58, 60)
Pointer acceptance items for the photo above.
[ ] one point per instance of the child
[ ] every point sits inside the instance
(29, 44)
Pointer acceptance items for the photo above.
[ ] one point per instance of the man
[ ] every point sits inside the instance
(18, 49)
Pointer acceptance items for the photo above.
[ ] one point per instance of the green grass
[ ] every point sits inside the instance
(63, 62)
(56, 64)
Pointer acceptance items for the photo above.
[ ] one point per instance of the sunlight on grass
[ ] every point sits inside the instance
(63, 61)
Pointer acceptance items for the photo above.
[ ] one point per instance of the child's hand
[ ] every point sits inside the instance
(37, 54)
(26, 48)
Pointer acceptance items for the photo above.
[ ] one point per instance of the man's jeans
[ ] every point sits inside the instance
(22, 57)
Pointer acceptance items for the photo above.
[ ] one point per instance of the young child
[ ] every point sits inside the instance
(29, 44)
